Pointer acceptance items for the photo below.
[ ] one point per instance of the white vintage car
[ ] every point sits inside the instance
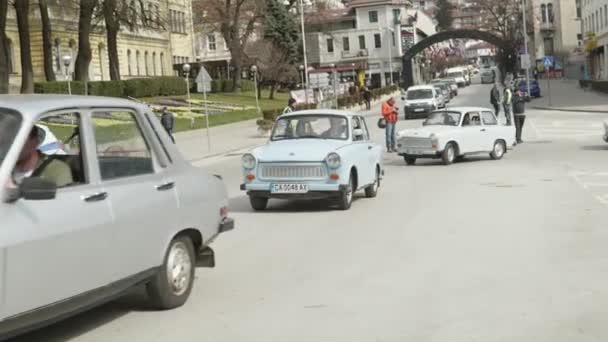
(314, 154)
(454, 133)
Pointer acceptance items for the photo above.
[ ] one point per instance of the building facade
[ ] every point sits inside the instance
(595, 24)
(163, 41)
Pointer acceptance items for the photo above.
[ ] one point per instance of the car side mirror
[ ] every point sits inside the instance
(36, 188)
(403, 98)
(357, 133)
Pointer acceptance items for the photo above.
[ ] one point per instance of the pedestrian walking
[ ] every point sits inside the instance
(168, 121)
(367, 97)
(390, 114)
(495, 99)
(519, 115)
(291, 106)
(507, 102)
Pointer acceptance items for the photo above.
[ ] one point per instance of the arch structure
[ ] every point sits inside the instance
(506, 49)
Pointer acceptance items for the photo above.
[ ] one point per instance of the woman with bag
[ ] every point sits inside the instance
(390, 115)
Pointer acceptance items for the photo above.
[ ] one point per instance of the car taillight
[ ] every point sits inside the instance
(224, 212)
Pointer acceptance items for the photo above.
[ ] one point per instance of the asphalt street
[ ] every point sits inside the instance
(482, 250)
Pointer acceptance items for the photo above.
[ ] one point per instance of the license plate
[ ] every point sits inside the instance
(289, 188)
(419, 110)
(413, 152)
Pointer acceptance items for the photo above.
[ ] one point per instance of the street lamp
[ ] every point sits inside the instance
(254, 70)
(334, 81)
(204, 80)
(301, 5)
(301, 68)
(390, 53)
(67, 61)
(186, 69)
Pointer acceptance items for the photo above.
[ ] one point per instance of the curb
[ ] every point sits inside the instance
(571, 110)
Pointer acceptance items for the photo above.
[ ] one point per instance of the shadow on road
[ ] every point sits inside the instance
(595, 147)
(134, 300)
(241, 204)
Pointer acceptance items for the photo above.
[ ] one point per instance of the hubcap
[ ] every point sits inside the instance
(498, 149)
(450, 153)
(349, 192)
(179, 268)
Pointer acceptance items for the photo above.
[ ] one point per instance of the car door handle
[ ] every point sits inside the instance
(369, 147)
(165, 186)
(482, 130)
(99, 196)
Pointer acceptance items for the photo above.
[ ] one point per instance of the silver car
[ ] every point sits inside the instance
(119, 208)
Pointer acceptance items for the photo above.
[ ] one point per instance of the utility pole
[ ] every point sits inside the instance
(526, 47)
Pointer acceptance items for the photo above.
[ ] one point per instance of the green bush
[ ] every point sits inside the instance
(59, 87)
(107, 88)
(171, 85)
(137, 87)
(216, 86)
(227, 86)
(247, 85)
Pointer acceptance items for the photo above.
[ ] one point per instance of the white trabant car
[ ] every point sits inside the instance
(314, 154)
(454, 133)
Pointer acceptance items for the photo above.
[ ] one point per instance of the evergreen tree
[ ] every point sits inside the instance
(281, 28)
(444, 15)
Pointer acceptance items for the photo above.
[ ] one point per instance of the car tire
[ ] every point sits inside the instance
(346, 197)
(409, 160)
(168, 290)
(258, 203)
(449, 154)
(498, 150)
(372, 190)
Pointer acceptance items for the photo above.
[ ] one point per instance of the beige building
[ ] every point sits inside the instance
(595, 22)
(166, 39)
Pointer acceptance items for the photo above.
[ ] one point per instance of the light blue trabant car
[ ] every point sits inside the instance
(314, 154)
(111, 206)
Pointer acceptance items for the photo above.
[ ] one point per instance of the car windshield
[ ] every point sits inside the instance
(455, 74)
(9, 125)
(419, 94)
(311, 127)
(443, 119)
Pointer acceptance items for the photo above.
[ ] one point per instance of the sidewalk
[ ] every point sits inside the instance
(226, 139)
(567, 95)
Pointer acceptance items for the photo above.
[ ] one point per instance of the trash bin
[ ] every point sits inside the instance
(519, 104)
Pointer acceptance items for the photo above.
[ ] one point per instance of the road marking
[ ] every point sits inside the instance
(593, 182)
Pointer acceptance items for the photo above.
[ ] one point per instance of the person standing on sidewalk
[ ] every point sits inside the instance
(507, 102)
(367, 97)
(390, 114)
(519, 115)
(291, 106)
(495, 99)
(168, 121)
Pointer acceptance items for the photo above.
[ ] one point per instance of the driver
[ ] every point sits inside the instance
(33, 163)
(466, 121)
(337, 128)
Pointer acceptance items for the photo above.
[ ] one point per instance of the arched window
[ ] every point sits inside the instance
(550, 12)
(137, 62)
(543, 12)
(129, 63)
(162, 64)
(154, 63)
(10, 57)
(146, 57)
(57, 54)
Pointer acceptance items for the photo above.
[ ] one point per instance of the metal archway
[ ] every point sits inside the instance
(506, 49)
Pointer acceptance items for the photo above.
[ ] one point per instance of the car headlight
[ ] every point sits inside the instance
(248, 161)
(434, 141)
(333, 160)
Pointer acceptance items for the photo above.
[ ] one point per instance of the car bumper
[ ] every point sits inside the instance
(315, 191)
(422, 111)
(206, 256)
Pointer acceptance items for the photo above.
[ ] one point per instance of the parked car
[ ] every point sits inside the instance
(522, 86)
(440, 97)
(455, 133)
(420, 101)
(452, 84)
(458, 75)
(131, 212)
(314, 154)
(487, 76)
(444, 89)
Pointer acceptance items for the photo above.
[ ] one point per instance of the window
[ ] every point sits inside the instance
(162, 63)
(356, 123)
(11, 67)
(605, 16)
(550, 12)
(362, 42)
(146, 63)
(137, 62)
(121, 152)
(393, 37)
(488, 118)
(373, 16)
(345, 44)
(56, 52)
(154, 63)
(157, 16)
(330, 45)
(548, 44)
(211, 42)
(396, 16)
(129, 63)
(366, 134)
(60, 143)
(543, 12)
(377, 40)
(579, 36)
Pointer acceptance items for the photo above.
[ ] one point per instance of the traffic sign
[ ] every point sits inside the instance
(525, 61)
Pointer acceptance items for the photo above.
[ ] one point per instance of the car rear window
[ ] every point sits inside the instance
(9, 126)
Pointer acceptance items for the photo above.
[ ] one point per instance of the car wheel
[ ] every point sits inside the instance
(372, 190)
(449, 154)
(171, 286)
(346, 197)
(258, 203)
(498, 150)
(409, 160)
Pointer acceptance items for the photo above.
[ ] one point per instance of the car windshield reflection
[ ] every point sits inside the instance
(443, 119)
(419, 94)
(9, 125)
(310, 127)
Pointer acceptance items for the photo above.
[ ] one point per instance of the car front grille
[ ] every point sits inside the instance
(293, 171)
(415, 142)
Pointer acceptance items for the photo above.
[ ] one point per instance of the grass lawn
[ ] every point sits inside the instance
(243, 98)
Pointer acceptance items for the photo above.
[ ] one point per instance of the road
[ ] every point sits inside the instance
(509, 250)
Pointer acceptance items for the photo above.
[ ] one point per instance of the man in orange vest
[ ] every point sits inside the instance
(389, 112)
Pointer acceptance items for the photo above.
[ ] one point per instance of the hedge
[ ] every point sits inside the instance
(136, 87)
(601, 86)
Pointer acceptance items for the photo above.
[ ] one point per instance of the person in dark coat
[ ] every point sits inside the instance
(168, 121)
(367, 97)
(495, 99)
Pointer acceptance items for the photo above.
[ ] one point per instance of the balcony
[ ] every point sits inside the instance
(547, 26)
(355, 54)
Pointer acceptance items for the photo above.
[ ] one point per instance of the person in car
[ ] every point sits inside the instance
(33, 163)
(337, 129)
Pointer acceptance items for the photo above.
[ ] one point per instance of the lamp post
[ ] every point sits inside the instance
(301, 68)
(186, 69)
(254, 70)
(67, 61)
(198, 59)
(334, 81)
(390, 53)
(526, 47)
(301, 7)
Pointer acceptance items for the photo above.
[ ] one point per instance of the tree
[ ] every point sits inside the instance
(281, 29)
(4, 58)
(273, 64)
(83, 59)
(236, 20)
(22, 8)
(444, 15)
(47, 46)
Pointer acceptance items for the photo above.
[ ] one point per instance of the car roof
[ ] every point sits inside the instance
(320, 112)
(36, 104)
(465, 109)
(421, 87)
